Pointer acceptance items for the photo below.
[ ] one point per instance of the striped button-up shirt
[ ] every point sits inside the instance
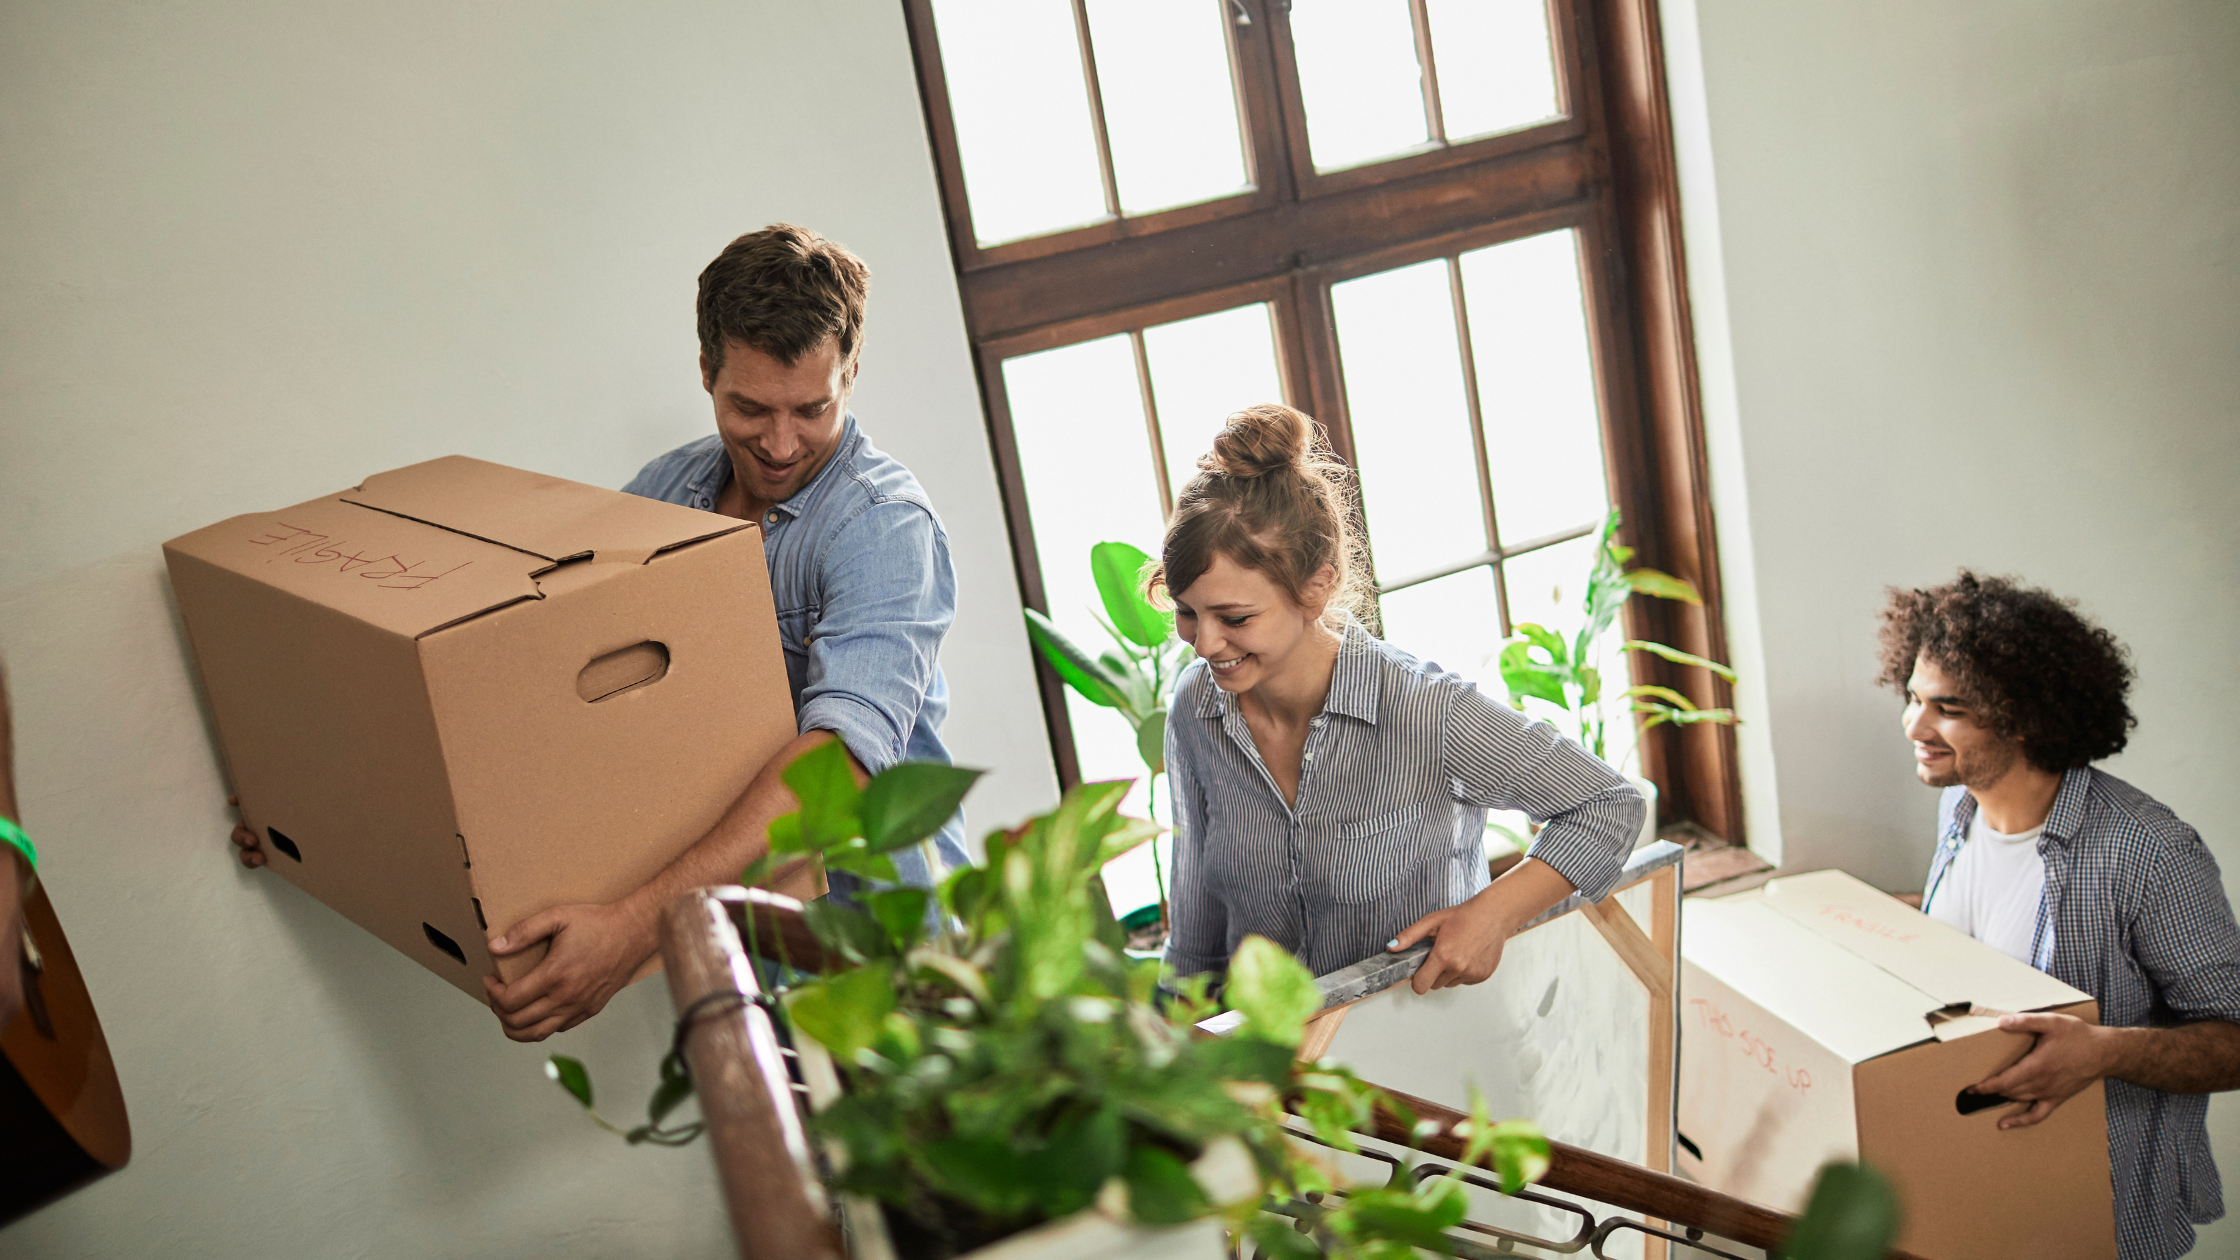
(1398, 772)
(2134, 914)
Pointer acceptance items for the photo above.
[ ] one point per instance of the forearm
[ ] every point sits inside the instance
(1523, 893)
(2201, 1058)
(739, 837)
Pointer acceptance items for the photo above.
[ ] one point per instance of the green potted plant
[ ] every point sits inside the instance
(1541, 664)
(1133, 678)
(1005, 1066)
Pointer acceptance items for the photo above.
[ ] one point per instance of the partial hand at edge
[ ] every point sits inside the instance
(252, 849)
(594, 951)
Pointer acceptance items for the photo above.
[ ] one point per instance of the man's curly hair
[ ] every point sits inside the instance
(2024, 659)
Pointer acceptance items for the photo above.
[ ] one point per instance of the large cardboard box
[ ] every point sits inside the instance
(1824, 1020)
(461, 693)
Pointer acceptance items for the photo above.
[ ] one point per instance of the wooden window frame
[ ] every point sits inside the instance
(1605, 169)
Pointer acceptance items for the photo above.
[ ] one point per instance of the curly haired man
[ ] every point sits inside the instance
(2011, 695)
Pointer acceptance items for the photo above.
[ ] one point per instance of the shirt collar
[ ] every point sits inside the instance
(712, 478)
(2066, 818)
(2062, 821)
(1353, 683)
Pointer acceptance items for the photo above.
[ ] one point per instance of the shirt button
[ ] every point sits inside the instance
(771, 519)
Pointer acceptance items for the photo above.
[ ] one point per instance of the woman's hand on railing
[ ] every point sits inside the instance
(1468, 939)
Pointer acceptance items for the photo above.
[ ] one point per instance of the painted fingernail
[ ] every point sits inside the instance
(1394, 943)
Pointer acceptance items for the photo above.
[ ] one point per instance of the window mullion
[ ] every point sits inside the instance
(1096, 107)
(1151, 424)
(1434, 118)
(1469, 361)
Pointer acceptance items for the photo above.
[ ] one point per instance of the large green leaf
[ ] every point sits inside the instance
(825, 781)
(1276, 993)
(1077, 668)
(1545, 639)
(1527, 678)
(1161, 1190)
(845, 1011)
(847, 931)
(1151, 741)
(1853, 1215)
(1679, 657)
(1135, 683)
(901, 911)
(905, 803)
(1127, 835)
(1119, 568)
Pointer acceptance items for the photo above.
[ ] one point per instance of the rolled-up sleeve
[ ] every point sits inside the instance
(888, 594)
(1589, 815)
(1197, 923)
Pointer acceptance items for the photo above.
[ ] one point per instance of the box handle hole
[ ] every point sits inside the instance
(282, 843)
(444, 943)
(1970, 1102)
(619, 671)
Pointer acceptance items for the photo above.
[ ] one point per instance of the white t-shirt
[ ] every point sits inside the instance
(1992, 889)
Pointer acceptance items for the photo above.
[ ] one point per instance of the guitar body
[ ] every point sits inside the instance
(62, 1117)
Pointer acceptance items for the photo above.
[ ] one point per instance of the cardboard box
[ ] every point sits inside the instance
(1822, 1019)
(462, 693)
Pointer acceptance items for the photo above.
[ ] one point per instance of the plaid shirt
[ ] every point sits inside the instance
(2135, 914)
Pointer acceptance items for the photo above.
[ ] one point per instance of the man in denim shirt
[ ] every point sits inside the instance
(859, 566)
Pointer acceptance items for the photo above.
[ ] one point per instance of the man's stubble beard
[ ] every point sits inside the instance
(1979, 773)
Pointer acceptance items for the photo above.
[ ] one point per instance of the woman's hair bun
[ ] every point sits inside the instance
(1260, 440)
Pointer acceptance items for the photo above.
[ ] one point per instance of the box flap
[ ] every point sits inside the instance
(392, 573)
(1838, 999)
(1945, 963)
(544, 516)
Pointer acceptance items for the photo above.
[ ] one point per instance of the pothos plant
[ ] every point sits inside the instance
(1540, 664)
(1007, 1063)
(1133, 678)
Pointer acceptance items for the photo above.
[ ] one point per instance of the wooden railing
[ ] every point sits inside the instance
(767, 1166)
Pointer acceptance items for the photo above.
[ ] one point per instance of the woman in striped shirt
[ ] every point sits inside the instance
(1330, 790)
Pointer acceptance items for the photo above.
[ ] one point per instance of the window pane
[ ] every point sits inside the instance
(1454, 622)
(1549, 587)
(1528, 336)
(1085, 459)
(1411, 422)
(1021, 109)
(1360, 78)
(1201, 370)
(1170, 109)
(1497, 70)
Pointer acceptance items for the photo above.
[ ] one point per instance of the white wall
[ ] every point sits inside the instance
(257, 250)
(1968, 290)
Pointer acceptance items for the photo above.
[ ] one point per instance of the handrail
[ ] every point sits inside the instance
(777, 1203)
(1603, 1178)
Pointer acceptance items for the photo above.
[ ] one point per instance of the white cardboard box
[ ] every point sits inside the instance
(1823, 1020)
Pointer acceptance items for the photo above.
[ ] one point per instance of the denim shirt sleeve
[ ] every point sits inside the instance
(1501, 761)
(1197, 923)
(887, 593)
